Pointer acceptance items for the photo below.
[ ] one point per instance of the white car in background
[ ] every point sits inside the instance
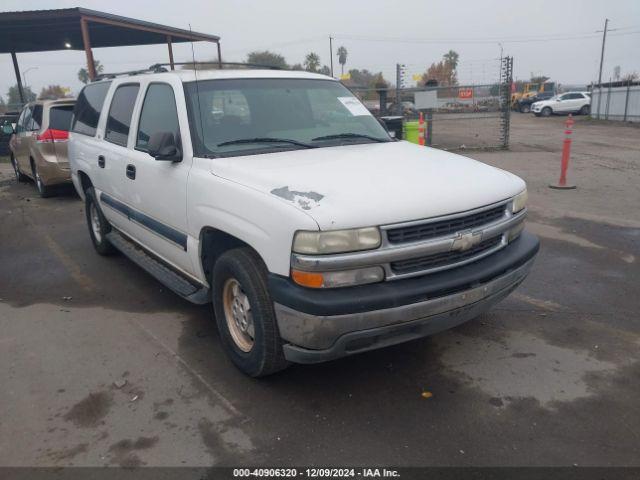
(570, 102)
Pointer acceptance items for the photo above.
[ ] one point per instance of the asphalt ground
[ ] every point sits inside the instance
(100, 365)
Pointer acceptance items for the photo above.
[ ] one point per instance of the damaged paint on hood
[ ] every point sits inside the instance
(304, 200)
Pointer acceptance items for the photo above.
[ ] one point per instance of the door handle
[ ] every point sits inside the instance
(131, 172)
(101, 161)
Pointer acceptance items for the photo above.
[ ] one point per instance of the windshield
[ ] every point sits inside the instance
(258, 115)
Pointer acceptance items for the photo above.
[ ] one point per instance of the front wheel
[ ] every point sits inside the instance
(244, 313)
(98, 225)
(546, 112)
(584, 110)
(525, 108)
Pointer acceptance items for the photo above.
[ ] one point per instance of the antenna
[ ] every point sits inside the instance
(195, 73)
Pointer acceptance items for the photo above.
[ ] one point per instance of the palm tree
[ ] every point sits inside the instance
(312, 62)
(342, 58)
(451, 58)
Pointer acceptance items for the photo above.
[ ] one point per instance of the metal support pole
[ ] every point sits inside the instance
(170, 47)
(604, 39)
(219, 55)
(18, 79)
(331, 53)
(398, 81)
(626, 100)
(91, 66)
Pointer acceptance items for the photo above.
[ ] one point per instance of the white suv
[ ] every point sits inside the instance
(570, 102)
(279, 197)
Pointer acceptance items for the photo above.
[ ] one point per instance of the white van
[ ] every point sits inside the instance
(277, 196)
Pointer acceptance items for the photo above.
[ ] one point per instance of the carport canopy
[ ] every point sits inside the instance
(84, 29)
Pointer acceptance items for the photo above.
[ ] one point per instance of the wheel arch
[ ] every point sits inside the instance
(213, 243)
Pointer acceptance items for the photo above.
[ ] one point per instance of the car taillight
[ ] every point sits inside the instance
(52, 135)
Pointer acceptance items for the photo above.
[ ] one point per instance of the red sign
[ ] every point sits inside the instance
(465, 93)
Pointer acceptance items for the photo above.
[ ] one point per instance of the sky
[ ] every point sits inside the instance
(558, 39)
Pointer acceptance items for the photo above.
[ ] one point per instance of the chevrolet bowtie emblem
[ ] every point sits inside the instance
(466, 240)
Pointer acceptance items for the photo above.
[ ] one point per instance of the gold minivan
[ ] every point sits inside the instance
(39, 144)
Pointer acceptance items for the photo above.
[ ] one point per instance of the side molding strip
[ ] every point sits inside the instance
(165, 231)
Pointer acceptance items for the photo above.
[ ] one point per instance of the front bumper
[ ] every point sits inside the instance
(317, 326)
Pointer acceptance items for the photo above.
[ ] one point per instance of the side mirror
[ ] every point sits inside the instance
(7, 129)
(162, 146)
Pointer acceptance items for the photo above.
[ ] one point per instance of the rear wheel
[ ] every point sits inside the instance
(98, 225)
(546, 112)
(44, 190)
(20, 177)
(244, 313)
(584, 110)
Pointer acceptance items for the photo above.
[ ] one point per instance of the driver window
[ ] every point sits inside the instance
(159, 114)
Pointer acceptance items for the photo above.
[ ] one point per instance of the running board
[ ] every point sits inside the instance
(176, 282)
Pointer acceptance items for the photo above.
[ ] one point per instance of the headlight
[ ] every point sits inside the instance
(346, 278)
(336, 241)
(519, 201)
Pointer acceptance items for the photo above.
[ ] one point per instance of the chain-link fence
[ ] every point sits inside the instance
(458, 117)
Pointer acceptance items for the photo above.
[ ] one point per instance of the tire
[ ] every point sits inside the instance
(585, 110)
(546, 112)
(20, 177)
(525, 108)
(98, 225)
(44, 190)
(244, 313)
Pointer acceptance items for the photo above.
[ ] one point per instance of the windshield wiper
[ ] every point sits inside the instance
(350, 135)
(265, 140)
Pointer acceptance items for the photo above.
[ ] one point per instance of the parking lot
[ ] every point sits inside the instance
(100, 365)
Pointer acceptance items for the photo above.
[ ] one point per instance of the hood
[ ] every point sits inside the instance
(371, 184)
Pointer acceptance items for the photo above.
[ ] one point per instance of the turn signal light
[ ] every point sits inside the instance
(308, 279)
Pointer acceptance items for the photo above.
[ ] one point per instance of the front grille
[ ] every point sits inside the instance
(442, 259)
(443, 228)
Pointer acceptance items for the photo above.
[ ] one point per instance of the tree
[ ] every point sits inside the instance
(83, 74)
(13, 96)
(444, 72)
(451, 58)
(53, 92)
(267, 58)
(325, 70)
(312, 62)
(342, 58)
(539, 79)
(297, 66)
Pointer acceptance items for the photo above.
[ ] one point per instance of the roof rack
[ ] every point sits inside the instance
(218, 65)
(161, 68)
(152, 69)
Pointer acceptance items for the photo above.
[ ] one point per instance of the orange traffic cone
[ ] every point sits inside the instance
(421, 129)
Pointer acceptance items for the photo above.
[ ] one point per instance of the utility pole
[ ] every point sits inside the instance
(398, 81)
(331, 52)
(604, 39)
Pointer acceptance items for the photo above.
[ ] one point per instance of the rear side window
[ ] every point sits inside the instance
(36, 118)
(88, 107)
(60, 117)
(119, 119)
(159, 114)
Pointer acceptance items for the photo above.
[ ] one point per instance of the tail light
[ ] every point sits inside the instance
(52, 135)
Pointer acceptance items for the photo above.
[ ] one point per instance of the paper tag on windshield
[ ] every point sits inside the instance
(354, 106)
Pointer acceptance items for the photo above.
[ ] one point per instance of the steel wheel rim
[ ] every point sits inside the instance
(238, 315)
(95, 222)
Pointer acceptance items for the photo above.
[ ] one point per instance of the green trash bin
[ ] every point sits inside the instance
(410, 131)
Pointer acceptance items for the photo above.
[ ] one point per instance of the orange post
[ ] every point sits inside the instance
(421, 129)
(566, 154)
